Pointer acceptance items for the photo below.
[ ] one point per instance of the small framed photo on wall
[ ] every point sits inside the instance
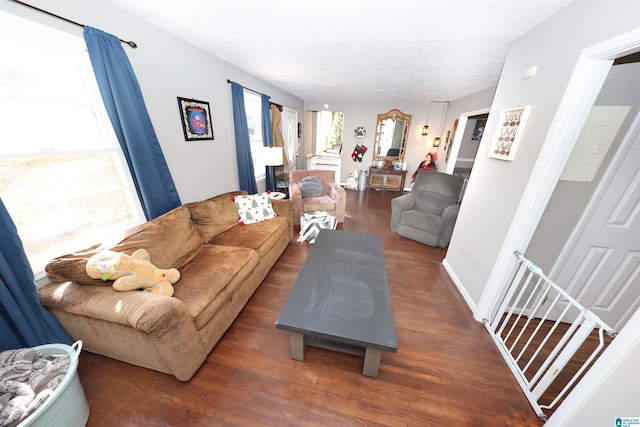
(196, 119)
(478, 130)
(508, 134)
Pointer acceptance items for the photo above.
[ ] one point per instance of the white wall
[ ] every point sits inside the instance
(167, 68)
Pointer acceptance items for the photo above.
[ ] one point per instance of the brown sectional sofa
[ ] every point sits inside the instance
(221, 264)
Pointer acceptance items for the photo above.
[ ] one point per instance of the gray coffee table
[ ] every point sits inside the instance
(341, 301)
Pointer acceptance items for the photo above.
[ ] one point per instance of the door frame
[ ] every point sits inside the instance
(463, 120)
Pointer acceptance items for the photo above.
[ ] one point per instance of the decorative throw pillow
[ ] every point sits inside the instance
(311, 186)
(254, 208)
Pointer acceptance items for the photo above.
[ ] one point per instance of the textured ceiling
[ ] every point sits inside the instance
(356, 50)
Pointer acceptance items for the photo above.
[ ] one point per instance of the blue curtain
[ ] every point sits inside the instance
(23, 321)
(126, 108)
(246, 174)
(267, 140)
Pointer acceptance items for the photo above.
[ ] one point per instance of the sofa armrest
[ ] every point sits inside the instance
(284, 208)
(295, 195)
(399, 205)
(142, 311)
(449, 217)
(339, 195)
(143, 329)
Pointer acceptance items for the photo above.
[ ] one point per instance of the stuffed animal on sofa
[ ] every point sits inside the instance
(131, 272)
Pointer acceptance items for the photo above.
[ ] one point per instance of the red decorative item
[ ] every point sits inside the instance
(358, 153)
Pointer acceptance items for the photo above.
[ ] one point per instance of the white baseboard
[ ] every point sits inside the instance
(461, 289)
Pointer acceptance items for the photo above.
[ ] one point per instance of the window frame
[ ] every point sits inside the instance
(253, 110)
(70, 47)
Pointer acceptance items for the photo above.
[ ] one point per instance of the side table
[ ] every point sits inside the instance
(277, 195)
(387, 179)
(282, 184)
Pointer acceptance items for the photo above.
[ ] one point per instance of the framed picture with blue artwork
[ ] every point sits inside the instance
(196, 119)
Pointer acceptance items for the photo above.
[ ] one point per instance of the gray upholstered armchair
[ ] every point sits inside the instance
(428, 214)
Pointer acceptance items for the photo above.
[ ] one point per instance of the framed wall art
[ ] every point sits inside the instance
(453, 133)
(507, 137)
(446, 139)
(196, 119)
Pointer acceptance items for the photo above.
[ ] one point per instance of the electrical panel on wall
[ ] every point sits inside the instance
(599, 132)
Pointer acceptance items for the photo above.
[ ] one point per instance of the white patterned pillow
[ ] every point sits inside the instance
(254, 208)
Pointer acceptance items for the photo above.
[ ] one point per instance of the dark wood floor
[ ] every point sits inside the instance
(446, 372)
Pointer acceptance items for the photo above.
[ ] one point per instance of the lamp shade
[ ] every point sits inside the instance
(272, 156)
(425, 130)
(436, 142)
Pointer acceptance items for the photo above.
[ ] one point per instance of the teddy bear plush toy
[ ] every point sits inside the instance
(131, 272)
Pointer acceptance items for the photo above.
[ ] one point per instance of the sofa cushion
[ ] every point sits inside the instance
(422, 220)
(211, 279)
(71, 267)
(254, 208)
(323, 203)
(171, 239)
(261, 236)
(215, 215)
(311, 186)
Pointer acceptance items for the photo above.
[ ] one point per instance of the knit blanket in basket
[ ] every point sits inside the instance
(27, 379)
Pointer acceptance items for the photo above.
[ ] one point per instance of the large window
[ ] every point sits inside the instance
(329, 132)
(62, 175)
(253, 109)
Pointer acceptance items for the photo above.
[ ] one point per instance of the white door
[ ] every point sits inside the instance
(289, 129)
(602, 270)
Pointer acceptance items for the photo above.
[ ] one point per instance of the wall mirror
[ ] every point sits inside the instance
(391, 136)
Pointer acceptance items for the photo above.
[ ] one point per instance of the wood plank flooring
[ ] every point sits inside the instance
(447, 370)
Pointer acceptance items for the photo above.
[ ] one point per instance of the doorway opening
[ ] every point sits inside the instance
(326, 141)
(471, 137)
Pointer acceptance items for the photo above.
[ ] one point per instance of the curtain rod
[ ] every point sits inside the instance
(130, 43)
(244, 87)
(280, 107)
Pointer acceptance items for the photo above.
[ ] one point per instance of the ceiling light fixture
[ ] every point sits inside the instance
(436, 142)
(425, 128)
